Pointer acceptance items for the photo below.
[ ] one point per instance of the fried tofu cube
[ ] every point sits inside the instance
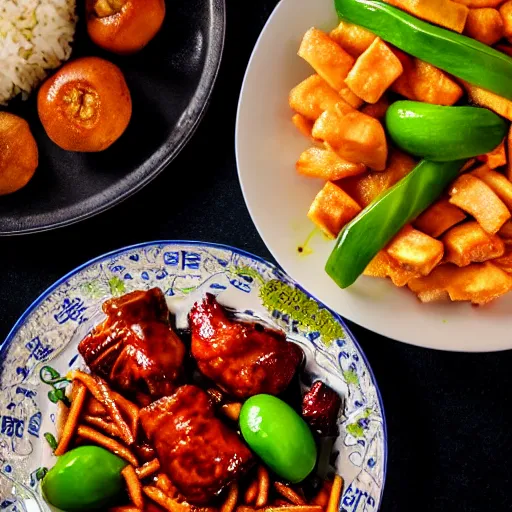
(415, 251)
(354, 136)
(330, 61)
(488, 99)
(349, 97)
(325, 163)
(479, 283)
(352, 38)
(441, 12)
(365, 188)
(506, 14)
(383, 265)
(497, 182)
(421, 81)
(439, 217)
(433, 288)
(326, 57)
(377, 110)
(485, 25)
(374, 71)
(476, 198)
(495, 158)
(332, 209)
(312, 97)
(304, 125)
(504, 262)
(469, 243)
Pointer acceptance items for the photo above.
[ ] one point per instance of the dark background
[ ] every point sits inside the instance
(448, 414)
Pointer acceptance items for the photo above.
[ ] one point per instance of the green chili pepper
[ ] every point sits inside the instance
(361, 239)
(442, 134)
(277, 434)
(86, 478)
(50, 438)
(459, 55)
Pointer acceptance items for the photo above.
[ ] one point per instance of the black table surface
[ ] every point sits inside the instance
(448, 414)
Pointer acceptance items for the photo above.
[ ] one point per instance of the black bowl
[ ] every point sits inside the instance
(170, 81)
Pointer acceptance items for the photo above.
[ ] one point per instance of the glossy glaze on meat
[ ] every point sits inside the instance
(242, 359)
(135, 348)
(197, 451)
(320, 408)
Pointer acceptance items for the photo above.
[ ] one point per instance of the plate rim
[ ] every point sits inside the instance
(39, 300)
(214, 59)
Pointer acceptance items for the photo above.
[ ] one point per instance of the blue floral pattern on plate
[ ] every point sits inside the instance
(41, 349)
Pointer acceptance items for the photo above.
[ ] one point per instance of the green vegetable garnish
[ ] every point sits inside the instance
(440, 133)
(363, 237)
(50, 438)
(86, 478)
(279, 436)
(41, 473)
(459, 55)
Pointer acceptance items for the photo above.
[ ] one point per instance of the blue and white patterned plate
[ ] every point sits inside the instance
(41, 349)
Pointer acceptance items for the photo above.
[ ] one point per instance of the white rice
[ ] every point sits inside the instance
(35, 37)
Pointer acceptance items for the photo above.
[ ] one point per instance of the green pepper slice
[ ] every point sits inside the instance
(459, 55)
(277, 434)
(367, 234)
(85, 478)
(442, 134)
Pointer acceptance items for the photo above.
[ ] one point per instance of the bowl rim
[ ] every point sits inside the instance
(211, 68)
(40, 299)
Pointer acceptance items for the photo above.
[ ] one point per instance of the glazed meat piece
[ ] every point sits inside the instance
(196, 450)
(242, 359)
(320, 408)
(135, 348)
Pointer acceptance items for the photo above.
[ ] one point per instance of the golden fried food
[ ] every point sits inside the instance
(312, 97)
(355, 136)
(331, 209)
(447, 250)
(485, 25)
(124, 26)
(86, 106)
(475, 197)
(18, 153)
(326, 164)
(470, 243)
(415, 251)
(366, 187)
(421, 81)
(330, 61)
(439, 217)
(374, 71)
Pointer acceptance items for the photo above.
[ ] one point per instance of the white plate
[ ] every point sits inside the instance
(268, 145)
